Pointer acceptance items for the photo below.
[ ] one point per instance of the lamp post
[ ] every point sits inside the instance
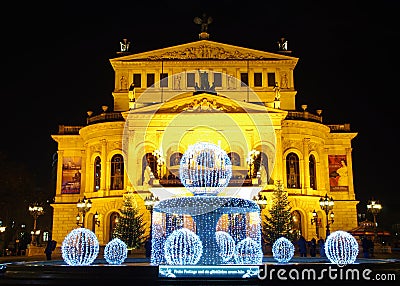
(35, 210)
(315, 220)
(149, 203)
(96, 219)
(83, 206)
(326, 205)
(375, 208)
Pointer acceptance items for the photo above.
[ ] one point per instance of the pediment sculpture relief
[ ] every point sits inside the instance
(205, 52)
(203, 105)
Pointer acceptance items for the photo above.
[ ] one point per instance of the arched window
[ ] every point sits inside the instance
(313, 172)
(175, 159)
(114, 217)
(261, 167)
(292, 171)
(296, 217)
(117, 172)
(150, 160)
(97, 174)
(235, 158)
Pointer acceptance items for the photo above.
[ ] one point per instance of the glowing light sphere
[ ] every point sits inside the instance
(80, 247)
(115, 251)
(341, 248)
(283, 250)
(183, 247)
(248, 251)
(226, 245)
(205, 169)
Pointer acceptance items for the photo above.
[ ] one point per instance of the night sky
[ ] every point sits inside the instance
(55, 67)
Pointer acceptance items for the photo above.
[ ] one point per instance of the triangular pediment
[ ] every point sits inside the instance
(205, 103)
(205, 49)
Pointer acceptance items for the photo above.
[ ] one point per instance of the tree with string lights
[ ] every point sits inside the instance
(279, 223)
(130, 227)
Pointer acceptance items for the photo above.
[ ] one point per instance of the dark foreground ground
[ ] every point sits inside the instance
(24, 270)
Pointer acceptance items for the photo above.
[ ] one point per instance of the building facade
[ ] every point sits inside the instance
(165, 100)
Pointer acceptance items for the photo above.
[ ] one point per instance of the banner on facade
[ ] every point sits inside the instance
(338, 173)
(71, 175)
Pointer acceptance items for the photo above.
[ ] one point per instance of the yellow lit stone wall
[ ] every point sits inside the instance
(104, 139)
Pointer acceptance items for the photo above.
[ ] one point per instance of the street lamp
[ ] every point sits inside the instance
(375, 208)
(35, 210)
(96, 219)
(326, 205)
(261, 201)
(315, 220)
(149, 203)
(83, 206)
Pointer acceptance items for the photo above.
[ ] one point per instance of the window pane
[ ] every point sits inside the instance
(117, 172)
(190, 80)
(217, 79)
(137, 80)
(244, 77)
(150, 79)
(97, 173)
(257, 79)
(163, 80)
(271, 79)
(292, 170)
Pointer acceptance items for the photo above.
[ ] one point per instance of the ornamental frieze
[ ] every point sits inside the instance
(202, 105)
(287, 144)
(205, 52)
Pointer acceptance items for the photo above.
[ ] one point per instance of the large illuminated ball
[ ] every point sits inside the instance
(282, 250)
(205, 169)
(248, 251)
(341, 248)
(80, 247)
(115, 251)
(183, 247)
(226, 245)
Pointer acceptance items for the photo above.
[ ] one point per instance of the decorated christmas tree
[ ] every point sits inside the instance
(130, 227)
(279, 223)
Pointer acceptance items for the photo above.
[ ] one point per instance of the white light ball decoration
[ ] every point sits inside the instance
(205, 169)
(80, 247)
(183, 247)
(248, 251)
(341, 248)
(226, 245)
(283, 250)
(115, 251)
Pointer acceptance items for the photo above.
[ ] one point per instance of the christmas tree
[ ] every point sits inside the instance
(130, 227)
(279, 221)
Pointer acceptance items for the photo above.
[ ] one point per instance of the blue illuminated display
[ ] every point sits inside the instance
(206, 229)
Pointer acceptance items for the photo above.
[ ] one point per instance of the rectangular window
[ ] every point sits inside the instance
(163, 80)
(217, 79)
(257, 79)
(244, 78)
(150, 79)
(137, 80)
(190, 79)
(271, 79)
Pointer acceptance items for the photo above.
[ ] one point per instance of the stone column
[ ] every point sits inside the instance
(103, 173)
(306, 177)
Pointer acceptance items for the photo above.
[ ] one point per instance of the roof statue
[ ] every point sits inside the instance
(124, 47)
(204, 21)
(283, 45)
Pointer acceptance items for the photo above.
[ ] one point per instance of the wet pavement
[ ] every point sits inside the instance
(136, 270)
